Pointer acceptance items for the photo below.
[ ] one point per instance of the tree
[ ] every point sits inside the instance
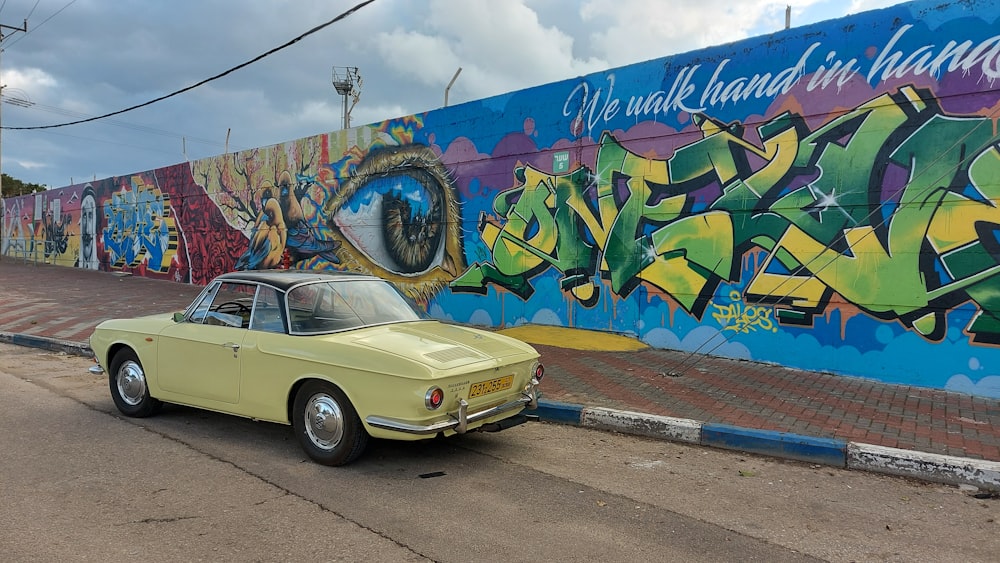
(14, 187)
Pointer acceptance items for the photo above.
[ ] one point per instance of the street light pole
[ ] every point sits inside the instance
(347, 82)
(450, 84)
(3, 206)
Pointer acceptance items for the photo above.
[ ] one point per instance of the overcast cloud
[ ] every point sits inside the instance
(83, 58)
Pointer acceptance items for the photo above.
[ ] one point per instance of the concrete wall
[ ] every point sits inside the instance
(823, 198)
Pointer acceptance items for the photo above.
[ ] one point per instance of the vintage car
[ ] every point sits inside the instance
(339, 356)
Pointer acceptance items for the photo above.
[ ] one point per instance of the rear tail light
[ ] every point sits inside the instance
(538, 371)
(434, 398)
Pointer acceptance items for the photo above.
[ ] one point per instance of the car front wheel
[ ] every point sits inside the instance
(128, 386)
(327, 426)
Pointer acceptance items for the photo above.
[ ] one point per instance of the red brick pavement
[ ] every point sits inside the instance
(768, 397)
(66, 303)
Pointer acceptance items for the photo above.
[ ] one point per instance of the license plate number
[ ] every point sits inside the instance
(491, 386)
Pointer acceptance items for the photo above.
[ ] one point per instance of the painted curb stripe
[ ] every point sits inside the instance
(551, 411)
(664, 427)
(45, 343)
(930, 467)
(825, 451)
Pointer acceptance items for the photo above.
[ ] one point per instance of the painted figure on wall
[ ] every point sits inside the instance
(281, 228)
(267, 236)
(303, 240)
(87, 257)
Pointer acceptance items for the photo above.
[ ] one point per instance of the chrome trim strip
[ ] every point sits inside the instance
(462, 419)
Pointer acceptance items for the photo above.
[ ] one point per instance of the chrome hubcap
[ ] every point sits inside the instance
(131, 383)
(324, 421)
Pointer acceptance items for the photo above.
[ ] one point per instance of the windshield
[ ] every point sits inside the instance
(342, 305)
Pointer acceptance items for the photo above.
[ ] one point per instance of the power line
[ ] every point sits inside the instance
(342, 16)
(28, 17)
(27, 104)
(35, 27)
(32, 11)
(107, 142)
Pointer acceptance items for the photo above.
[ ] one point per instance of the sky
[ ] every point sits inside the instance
(86, 58)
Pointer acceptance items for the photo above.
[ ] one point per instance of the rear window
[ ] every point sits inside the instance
(344, 305)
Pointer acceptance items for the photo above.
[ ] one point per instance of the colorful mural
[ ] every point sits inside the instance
(892, 189)
(823, 198)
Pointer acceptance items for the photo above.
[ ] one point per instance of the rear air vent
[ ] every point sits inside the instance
(451, 354)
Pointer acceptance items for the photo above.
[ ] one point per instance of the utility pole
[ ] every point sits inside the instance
(3, 206)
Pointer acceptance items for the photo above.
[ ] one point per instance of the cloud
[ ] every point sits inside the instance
(28, 84)
(639, 30)
(988, 386)
(320, 111)
(500, 46)
(31, 164)
(546, 317)
(857, 6)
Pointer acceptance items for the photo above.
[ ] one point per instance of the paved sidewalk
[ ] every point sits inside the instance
(39, 301)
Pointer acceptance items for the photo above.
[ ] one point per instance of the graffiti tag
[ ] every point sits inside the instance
(888, 205)
(140, 227)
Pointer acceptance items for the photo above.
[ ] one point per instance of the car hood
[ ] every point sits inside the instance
(149, 323)
(444, 346)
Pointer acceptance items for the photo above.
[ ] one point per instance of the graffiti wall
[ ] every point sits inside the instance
(822, 198)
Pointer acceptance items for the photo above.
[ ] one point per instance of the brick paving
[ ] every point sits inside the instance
(66, 303)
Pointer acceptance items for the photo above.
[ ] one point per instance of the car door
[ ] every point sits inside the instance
(199, 358)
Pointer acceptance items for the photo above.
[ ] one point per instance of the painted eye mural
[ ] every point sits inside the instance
(399, 215)
(396, 220)
(388, 207)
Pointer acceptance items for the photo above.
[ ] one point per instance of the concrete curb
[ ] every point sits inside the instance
(824, 451)
(46, 343)
(929, 467)
(652, 426)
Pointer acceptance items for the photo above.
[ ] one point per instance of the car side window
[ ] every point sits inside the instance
(230, 306)
(318, 307)
(267, 314)
(200, 311)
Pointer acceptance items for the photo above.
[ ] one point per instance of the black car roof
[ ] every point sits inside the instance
(286, 279)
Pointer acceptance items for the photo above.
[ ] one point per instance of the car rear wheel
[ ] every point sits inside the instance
(327, 426)
(128, 386)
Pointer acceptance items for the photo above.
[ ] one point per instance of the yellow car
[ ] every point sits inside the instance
(339, 356)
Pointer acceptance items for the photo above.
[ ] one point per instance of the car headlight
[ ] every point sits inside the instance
(434, 398)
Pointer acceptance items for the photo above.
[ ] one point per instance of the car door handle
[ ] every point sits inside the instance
(234, 346)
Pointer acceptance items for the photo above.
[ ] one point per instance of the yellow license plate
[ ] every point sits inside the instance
(491, 386)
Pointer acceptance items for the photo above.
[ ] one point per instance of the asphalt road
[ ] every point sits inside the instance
(79, 482)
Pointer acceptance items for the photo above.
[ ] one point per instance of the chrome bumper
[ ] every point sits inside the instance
(96, 370)
(463, 418)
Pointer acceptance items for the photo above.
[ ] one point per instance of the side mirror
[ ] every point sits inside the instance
(178, 316)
